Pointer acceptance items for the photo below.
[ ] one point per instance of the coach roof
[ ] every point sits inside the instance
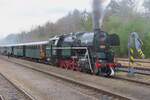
(25, 44)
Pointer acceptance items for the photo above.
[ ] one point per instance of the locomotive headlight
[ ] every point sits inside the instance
(100, 61)
(48, 59)
(102, 46)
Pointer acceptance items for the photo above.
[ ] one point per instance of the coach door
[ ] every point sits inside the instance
(42, 52)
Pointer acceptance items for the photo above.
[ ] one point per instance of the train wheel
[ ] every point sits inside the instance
(110, 72)
(96, 71)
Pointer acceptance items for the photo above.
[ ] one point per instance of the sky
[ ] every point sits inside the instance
(23, 15)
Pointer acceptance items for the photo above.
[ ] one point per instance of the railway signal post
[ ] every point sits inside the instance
(134, 42)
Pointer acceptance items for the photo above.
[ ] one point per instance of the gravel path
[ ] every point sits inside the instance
(9, 92)
(42, 86)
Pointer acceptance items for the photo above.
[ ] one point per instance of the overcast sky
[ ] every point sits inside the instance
(20, 15)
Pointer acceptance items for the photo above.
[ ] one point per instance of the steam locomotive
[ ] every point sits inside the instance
(89, 52)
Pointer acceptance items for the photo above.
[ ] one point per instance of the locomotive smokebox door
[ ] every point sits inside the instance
(114, 40)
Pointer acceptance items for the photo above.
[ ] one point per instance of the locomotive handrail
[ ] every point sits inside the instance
(69, 47)
(89, 60)
(87, 53)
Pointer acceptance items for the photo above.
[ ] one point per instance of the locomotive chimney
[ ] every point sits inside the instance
(99, 9)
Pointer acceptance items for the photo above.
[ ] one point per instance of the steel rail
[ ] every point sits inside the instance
(136, 60)
(1, 97)
(18, 88)
(137, 70)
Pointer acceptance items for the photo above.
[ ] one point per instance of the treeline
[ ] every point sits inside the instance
(73, 22)
(122, 17)
(126, 18)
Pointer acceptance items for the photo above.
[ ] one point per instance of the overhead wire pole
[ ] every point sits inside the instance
(134, 42)
(130, 57)
(129, 51)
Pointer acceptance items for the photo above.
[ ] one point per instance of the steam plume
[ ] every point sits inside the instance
(99, 10)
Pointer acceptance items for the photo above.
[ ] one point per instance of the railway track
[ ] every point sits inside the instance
(1, 97)
(106, 95)
(137, 60)
(142, 71)
(12, 89)
(137, 70)
(131, 80)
